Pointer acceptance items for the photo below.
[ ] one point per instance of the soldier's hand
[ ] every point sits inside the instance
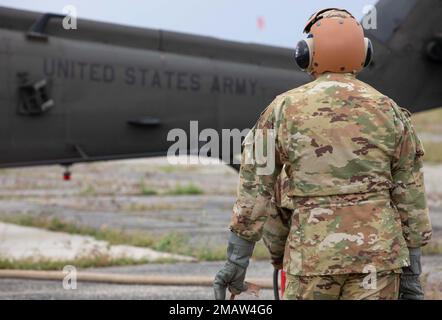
(410, 286)
(233, 273)
(230, 276)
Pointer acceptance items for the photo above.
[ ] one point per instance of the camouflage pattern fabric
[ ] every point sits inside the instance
(277, 226)
(353, 165)
(343, 287)
(275, 233)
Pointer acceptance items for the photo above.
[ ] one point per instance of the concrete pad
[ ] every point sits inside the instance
(18, 242)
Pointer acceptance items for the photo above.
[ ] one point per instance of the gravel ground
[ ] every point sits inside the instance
(110, 194)
(38, 289)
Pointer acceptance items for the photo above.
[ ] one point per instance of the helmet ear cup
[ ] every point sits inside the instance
(305, 48)
(368, 52)
(304, 54)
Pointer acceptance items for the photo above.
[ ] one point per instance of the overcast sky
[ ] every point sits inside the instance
(277, 22)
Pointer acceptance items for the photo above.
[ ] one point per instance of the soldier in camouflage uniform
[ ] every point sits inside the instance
(351, 169)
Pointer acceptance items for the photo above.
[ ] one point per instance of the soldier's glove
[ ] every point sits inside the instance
(233, 273)
(410, 286)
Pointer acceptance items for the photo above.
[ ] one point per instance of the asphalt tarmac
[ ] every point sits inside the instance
(48, 290)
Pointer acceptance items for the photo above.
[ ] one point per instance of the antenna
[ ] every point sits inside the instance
(38, 28)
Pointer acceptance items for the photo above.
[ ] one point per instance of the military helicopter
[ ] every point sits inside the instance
(107, 91)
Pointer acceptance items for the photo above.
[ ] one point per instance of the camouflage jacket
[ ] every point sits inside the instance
(353, 165)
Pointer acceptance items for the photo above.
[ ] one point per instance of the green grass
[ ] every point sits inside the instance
(432, 248)
(188, 189)
(178, 243)
(89, 262)
(430, 122)
(88, 191)
(146, 190)
(112, 236)
(261, 252)
(433, 152)
(178, 168)
(178, 190)
(135, 207)
(168, 169)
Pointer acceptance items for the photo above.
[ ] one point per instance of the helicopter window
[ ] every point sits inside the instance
(34, 98)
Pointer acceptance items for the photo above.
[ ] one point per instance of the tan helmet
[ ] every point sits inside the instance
(335, 43)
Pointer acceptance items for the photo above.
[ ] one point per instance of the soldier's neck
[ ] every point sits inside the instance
(335, 75)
